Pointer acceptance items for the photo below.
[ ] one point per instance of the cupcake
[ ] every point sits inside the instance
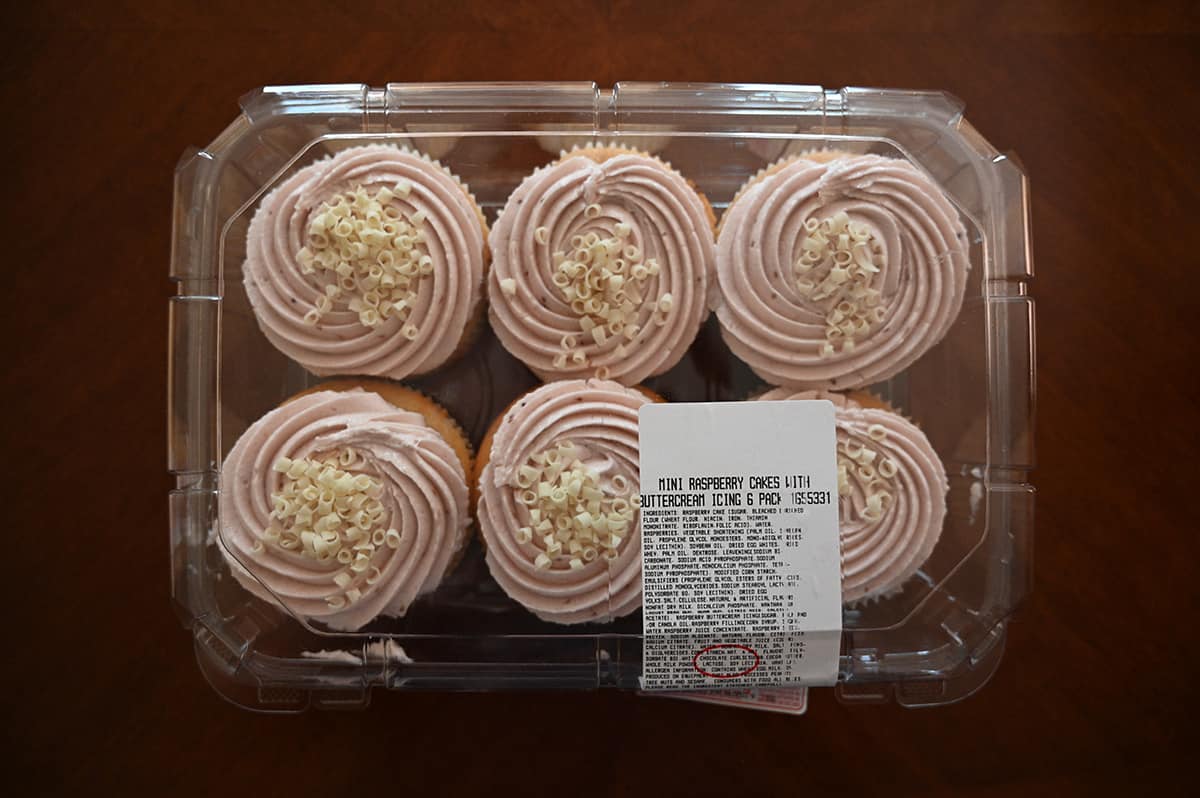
(369, 262)
(342, 506)
(558, 501)
(892, 489)
(603, 264)
(838, 271)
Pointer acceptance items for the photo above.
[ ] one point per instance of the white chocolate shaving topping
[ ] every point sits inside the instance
(839, 264)
(558, 502)
(603, 283)
(370, 257)
(322, 511)
(570, 507)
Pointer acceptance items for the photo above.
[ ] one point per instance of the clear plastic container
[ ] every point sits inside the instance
(973, 394)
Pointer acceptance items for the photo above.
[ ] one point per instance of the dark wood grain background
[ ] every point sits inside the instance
(1097, 692)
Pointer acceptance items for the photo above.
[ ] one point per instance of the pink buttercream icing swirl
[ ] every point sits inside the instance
(666, 221)
(281, 293)
(424, 491)
(879, 556)
(600, 418)
(780, 330)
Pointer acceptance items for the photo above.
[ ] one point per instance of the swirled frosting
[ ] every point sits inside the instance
(776, 311)
(422, 490)
(283, 292)
(599, 420)
(884, 541)
(647, 213)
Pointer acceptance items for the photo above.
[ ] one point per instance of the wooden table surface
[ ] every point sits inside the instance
(1097, 689)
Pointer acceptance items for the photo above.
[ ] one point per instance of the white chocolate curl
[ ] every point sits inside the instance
(839, 275)
(583, 246)
(336, 573)
(381, 305)
(889, 524)
(592, 427)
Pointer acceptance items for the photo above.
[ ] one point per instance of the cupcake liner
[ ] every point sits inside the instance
(645, 141)
(433, 146)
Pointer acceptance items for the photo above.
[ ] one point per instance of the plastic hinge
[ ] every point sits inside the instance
(192, 331)
(497, 106)
(723, 98)
(718, 106)
(322, 99)
(192, 197)
(1011, 255)
(192, 512)
(192, 385)
(939, 107)
(1011, 509)
(1011, 342)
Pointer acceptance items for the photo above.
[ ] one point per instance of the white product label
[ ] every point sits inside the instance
(741, 573)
